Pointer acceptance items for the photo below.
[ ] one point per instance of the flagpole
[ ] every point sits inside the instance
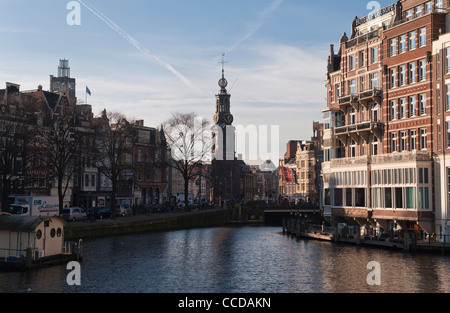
(86, 95)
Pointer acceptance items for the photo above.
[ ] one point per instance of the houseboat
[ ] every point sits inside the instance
(29, 241)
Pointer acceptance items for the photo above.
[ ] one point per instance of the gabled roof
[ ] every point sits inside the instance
(21, 223)
(52, 99)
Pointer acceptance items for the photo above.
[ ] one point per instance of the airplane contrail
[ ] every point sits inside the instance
(138, 46)
(262, 16)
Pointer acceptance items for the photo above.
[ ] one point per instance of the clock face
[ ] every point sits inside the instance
(216, 118)
(229, 118)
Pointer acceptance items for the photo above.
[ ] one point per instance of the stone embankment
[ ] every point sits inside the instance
(146, 223)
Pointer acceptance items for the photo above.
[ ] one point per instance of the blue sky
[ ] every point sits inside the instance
(148, 59)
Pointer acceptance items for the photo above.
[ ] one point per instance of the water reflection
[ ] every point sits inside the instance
(232, 259)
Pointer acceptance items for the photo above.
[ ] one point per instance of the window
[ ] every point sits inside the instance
(419, 10)
(439, 145)
(447, 98)
(422, 70)
(423, 139)
(373, 80)
(362, 84)
(393, 46)
(393, 77)
(374, 145)
(412, 106)
(413, 140)
(412, 40)
(439, 5)
(373, 55)
(402, 106)
(438, 102)
(377, 197)
(424, 198)
(361, 59)
(402, 79)
(352, 87)
(352, 148)
(412, 72)
(338, 197)
(348, 197)
(326, 155)
(423, 104)
(410, 191)
(375, 112)
(351, 62)
(447, 126)
(327, 197)
(402, 45)
(403, 140)
(422, 37)
(326, 120)
(429, 7)
(388, 198)
(398, 198)
(393, 142)
(338, 90)
(360, 197)
(393, 109)
(352, 116)
(447, 61)
(409, 14)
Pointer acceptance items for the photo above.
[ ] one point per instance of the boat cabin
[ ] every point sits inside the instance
(42, 236)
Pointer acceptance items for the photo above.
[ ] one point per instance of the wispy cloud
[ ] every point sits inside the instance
(17, 30)
(138, 46)
(253, 27)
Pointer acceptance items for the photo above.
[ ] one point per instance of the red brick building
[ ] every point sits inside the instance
(378, 124)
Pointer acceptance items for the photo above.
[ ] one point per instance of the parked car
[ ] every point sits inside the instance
(98, 213)
(74, 214)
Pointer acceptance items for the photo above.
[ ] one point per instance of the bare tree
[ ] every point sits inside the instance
(15, 132)
(188, 137)
(114, 137)
(61, 142)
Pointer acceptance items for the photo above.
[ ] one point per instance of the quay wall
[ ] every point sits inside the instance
(141, 224)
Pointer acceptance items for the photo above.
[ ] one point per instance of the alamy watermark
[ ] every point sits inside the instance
(74, 16)
(74, 276)
(374, 277)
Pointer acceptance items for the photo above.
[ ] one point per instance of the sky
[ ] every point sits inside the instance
(149, 59)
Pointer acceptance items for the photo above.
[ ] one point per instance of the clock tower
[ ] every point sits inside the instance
(224, 131)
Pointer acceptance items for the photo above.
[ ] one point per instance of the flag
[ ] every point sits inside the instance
(88, 91)
(288, 172)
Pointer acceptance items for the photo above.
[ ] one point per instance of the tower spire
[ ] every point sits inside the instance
(223, 82)
(223, 65)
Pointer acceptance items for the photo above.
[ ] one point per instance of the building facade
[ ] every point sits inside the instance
(379, 139)
(231, 178)
(31, 169)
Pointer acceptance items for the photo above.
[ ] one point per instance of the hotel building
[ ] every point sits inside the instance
(381, 124)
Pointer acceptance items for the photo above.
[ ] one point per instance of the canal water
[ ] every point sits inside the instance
(234, 260)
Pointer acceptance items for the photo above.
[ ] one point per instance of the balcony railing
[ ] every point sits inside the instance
(418, 15)
(365, 126)
(361, 39)
(370, 94)
(402, 157)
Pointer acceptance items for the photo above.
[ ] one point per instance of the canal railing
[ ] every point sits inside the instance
(351, 234)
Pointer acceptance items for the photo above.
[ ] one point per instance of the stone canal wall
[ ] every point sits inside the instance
(146, 223)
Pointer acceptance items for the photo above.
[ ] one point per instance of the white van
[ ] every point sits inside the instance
(74, 214)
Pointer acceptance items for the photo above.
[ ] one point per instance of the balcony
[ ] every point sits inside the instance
(401, 157)
(359, 129)
(362, 39)
(370, 95)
